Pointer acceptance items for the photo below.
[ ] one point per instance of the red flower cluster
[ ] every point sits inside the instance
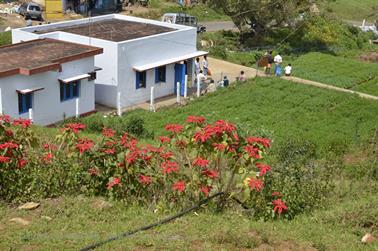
(252, 151)
(195, 119)
(279, 206)
(206, 190)
(8, 145)
(215, 130)
(4, 159)
(256, 184)
(169, 167)
(74, 127)
(107, 132)
(25, 123)
(200, 162)
(262, 141)
(219, 147)
(48, 157)
(263, 168)
(174, 128)
(145, 180)
(5, 118)
(179, 186)
(84, 145)
(212, 174)
(113, 182)
(164, 139)
(21, 163)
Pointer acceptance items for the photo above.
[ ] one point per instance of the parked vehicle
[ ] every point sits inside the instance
(183, 19)
(31, 11)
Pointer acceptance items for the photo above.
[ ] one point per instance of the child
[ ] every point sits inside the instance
(288, 70)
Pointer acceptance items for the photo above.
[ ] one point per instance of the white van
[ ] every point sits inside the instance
(183, 19)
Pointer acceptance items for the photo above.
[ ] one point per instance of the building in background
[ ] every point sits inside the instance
(138, 54)
(47, 80)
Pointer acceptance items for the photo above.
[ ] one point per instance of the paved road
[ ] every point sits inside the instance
(219, 25)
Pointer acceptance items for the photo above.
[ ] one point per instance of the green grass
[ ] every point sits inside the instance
(284, 109)
(5, 38)
(76, 223)
(354, 9)
(338, 71)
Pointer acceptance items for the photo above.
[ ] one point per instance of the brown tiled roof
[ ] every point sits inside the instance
(40, 55)
(115, 30)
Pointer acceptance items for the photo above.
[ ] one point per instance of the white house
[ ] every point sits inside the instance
(47, 80)
(138, 54)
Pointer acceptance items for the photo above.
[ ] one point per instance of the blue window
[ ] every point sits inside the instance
(160, 74)
(69, 90)
(25, 102)
(141, 79)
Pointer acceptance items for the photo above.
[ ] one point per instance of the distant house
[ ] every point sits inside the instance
(47, 79)
(138, 54)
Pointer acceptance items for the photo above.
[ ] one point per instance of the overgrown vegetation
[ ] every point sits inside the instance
(5, 38)
(355, 10)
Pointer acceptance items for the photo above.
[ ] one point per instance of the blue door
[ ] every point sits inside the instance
(180, 77)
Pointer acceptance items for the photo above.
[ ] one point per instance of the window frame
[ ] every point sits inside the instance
(161, 71)
(22, 100)
(66, 90)
(141, 79)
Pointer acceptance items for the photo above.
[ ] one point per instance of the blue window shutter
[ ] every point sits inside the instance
(23, 103)
(137, 77)
(156, 75)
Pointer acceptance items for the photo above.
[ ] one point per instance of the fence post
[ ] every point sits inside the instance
(152, 100)
(186, 87)
(1, 103)
(198, 86)
(119, 112)
(31, 114)
(178, 92)
(77, 107)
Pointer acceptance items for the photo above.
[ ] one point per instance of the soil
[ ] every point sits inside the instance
(370, 57)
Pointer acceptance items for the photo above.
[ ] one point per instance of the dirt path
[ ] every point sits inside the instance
(232, 70)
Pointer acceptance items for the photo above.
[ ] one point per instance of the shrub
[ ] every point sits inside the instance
(135, 126)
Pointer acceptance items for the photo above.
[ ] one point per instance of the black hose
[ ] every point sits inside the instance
(164, 221)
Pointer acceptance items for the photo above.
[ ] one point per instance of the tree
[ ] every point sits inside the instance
(258, 16)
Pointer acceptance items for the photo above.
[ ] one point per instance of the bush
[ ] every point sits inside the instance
(135, 126)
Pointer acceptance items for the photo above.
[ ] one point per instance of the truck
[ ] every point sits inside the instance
(183, 19)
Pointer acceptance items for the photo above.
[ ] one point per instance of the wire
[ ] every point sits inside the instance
(164, 221)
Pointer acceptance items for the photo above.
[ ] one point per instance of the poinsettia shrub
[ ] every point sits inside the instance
(190, 162)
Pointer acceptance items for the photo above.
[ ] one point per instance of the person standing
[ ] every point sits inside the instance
(197, 66)
(205, 65)
(288, 69)
(269, 57)
(277, 62)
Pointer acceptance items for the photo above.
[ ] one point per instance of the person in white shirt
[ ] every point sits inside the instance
(197, 66)
(278, 61)
(205, 65)
(288, 69)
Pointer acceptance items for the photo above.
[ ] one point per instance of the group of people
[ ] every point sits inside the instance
(205, 66)
(277, 60)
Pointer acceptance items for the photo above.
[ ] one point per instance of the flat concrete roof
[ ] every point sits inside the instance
(115, 30)
(41, 55)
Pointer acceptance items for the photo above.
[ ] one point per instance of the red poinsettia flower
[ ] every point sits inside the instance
(262, 141)
(74, 127)
(206, 190)
(279, 206)
(166, 155)
(25, 123)
(252, 151)
(84, 145)
(8, 145)
(200, 162)
(195, 119)
(145, 180)
(212, 174)
(256, 184)
(113, 182)
(8, 133)
(179, 186)
(169, 167)
(107, 132)
(219, 147)
(4, 159)
(164, 139)
(21, 163)
(174, 128)
(48, 157)
(109, 151)
(5, 118)
(263, 168)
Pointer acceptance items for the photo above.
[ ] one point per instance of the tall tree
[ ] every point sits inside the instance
(262, 15)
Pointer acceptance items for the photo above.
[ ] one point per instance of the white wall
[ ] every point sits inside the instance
(47, 107)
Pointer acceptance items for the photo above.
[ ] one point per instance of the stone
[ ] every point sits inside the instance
(368, 238)
(29, 206)
(20, 221)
